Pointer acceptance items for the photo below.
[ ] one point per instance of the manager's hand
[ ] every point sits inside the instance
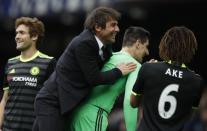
(126, 68)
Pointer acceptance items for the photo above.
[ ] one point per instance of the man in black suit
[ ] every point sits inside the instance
(78, 70)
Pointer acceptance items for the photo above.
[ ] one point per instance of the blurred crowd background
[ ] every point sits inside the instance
(64, 19)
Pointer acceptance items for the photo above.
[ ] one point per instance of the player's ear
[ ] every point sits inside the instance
(34, 37)
(137, 44)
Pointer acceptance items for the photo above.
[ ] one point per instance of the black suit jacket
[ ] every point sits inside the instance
(77, 71)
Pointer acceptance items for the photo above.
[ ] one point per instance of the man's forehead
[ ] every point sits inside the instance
(112, 21)
(22, 27)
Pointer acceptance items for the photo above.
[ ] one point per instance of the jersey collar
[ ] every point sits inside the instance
(29, 59)
(183, 65)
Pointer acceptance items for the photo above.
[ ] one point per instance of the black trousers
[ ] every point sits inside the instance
(48, 117)
(48, 123)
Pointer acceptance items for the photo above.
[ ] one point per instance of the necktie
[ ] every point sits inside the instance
(104, 49)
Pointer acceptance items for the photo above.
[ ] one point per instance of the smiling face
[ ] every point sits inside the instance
(23, 39)
(108, 34)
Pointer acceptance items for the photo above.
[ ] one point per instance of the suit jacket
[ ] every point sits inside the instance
(77, 71)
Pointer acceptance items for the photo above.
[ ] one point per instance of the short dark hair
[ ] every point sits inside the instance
(100, 16)
(134, 33)
(36, 27)
(178, 44)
